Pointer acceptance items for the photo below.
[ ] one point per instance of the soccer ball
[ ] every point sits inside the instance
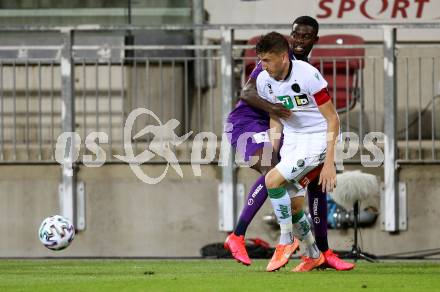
(56, 232)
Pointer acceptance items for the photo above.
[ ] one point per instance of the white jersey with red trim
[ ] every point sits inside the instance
(302, 92)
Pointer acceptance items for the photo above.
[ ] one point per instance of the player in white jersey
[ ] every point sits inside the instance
(309, 139)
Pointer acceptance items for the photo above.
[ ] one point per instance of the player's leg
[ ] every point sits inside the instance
(305, 155)
(302, 230)
(254, 146)
(318, 211)
(298, 217)
(281, 204)
(256, 196)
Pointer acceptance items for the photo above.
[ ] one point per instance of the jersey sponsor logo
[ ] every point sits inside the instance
(300, 163)
(286, 101)
(301, 100)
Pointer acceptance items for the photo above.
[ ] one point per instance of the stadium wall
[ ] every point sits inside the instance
(128, 218)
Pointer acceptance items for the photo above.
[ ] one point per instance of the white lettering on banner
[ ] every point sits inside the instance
(373, 9)
(330, 12)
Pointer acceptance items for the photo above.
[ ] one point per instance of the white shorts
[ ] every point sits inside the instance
(300, 154)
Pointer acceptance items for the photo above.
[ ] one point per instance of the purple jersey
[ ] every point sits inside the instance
(247, 119)
(257, 70)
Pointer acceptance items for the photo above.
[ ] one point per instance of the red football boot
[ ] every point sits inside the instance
(235, 244)
(334, 262)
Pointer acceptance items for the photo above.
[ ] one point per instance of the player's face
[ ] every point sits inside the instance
(303, 39)
(274, 64)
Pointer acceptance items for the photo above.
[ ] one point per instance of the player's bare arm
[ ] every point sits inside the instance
(276, 128)
(327, 179)
(250, 95)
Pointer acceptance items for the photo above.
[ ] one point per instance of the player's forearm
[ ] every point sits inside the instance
(250, 95)
(332, 135)
(275, 131)
(257, 102)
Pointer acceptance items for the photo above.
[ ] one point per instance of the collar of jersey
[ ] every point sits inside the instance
(294, 58)
(288, 73)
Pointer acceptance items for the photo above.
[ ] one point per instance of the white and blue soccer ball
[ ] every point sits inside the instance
(56, 232)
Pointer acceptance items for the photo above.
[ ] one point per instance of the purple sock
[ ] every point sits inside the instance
(318, 211)
(255, 199)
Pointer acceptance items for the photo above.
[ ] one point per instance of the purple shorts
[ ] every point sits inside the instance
(246, 119)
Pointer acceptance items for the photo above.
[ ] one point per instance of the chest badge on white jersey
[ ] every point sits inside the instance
(295, 87)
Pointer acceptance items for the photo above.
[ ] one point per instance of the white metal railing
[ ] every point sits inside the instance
(42, 97)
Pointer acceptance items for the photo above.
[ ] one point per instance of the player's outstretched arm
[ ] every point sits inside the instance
(250, 95)
(327, 179)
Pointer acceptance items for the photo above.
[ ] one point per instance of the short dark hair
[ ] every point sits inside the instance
(308, 20)
(272, 42)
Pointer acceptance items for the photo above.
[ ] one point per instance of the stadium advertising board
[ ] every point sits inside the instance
(332, 11)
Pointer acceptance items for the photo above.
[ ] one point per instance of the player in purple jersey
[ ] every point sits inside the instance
(251, 115)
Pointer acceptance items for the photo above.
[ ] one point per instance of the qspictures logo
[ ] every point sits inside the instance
(204, 148)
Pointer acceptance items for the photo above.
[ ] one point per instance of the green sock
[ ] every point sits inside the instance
(276, 193)
(296, 217)
(301, 229)
(281, 206)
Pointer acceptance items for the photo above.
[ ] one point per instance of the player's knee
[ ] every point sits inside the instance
(271, 180)
(263, 165)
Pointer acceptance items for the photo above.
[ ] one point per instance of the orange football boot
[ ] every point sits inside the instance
(309, 264)
(282, 255)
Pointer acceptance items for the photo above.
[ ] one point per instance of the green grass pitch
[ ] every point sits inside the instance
(209, 275)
